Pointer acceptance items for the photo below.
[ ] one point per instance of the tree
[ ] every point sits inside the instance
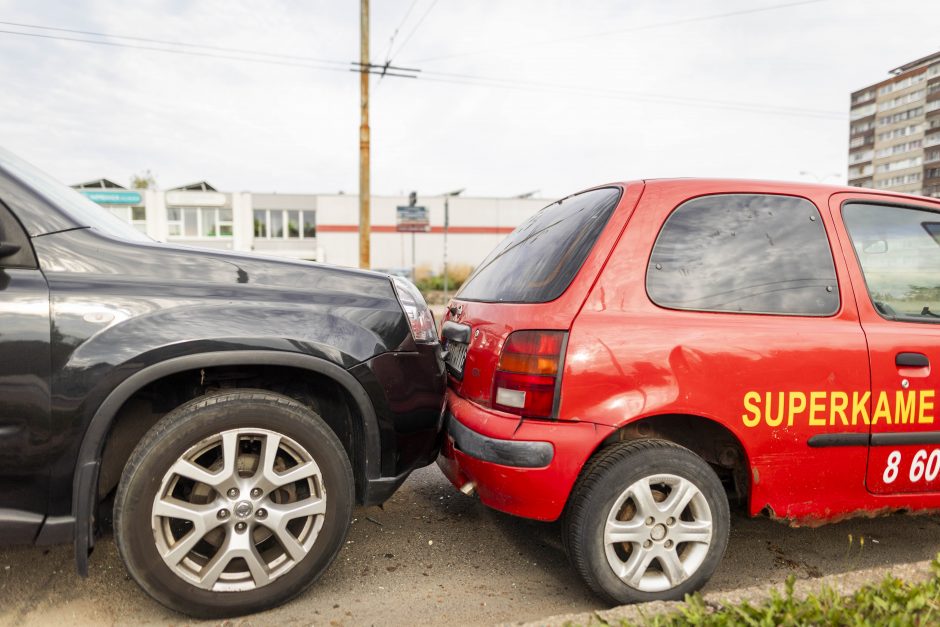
(144, 180)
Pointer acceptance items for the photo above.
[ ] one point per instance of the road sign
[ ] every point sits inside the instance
(412, 220)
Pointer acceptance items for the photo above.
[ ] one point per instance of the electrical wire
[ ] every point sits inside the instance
(391, 40)
(510, 83)
(183, 44)
(414, 30)
(192, 53)
(619, 31)
(643, 97)
(494, 82)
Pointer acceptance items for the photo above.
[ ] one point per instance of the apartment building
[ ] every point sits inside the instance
(894, 131)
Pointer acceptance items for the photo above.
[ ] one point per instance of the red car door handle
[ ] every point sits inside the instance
(911, 360)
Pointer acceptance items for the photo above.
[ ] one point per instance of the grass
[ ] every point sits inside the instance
(892, 602)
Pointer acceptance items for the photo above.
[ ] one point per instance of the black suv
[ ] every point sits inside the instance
(231, 407)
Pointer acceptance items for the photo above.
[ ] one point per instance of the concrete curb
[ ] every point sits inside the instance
(845, 584)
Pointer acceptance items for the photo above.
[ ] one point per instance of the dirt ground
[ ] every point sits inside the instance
(433, 555)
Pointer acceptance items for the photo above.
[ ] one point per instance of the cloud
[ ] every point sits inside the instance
(83, 111)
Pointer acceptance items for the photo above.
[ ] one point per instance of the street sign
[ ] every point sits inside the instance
(107, 197)
(412, 220)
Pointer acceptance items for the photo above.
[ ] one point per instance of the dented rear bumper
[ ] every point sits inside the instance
(522, 467)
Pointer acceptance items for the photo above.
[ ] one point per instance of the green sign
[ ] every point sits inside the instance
(115, 197)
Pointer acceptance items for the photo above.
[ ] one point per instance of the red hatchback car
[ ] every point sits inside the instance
(640, 357)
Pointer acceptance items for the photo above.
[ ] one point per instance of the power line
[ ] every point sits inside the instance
(515, 84)
(497, 82)
(192, 53)
(529, 86)
(415, 29)
(174, 43)
(391, 40)
(632, 29)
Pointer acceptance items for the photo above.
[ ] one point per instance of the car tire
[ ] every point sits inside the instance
(633, 545)
(233, 503)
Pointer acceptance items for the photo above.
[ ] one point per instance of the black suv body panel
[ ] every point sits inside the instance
(118, 314)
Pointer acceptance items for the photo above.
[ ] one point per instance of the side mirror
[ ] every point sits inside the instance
(7, 250)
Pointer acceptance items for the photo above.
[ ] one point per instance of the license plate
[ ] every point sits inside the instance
(456, 356)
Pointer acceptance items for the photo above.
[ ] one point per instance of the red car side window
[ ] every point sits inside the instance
(745, 253)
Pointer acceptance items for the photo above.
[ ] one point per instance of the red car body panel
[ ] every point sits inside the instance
(773, 381)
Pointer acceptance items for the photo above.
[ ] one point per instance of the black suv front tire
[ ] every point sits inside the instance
(233, 503)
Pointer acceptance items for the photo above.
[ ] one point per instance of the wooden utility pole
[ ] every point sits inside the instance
(365, 226)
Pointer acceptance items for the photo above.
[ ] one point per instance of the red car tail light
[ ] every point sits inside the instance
(528, 373)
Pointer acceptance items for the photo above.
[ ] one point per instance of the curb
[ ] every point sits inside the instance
(845, 584)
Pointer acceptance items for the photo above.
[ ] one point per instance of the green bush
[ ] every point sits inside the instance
(892, 602)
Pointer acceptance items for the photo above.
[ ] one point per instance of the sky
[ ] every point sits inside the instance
(513, 96)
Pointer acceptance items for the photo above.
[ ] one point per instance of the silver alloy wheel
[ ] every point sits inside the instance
(238, 510)
(658, 532)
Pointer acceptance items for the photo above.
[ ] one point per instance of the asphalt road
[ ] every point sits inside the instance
(433, 556)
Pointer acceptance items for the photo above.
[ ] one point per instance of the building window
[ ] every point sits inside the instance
(285, 224)
(856, 171)
(745, 253)
(901, 116)
(900, 164)
(135, 216)
(899, 148)
(903, 179)
(901, 100)
(199, 222)
(901, 84)
(861, 127)
(861, 112)
(868, 94)
(900, 132)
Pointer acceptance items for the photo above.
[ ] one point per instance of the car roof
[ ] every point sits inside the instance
(701, 186)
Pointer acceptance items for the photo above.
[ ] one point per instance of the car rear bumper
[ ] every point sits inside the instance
(526, 468)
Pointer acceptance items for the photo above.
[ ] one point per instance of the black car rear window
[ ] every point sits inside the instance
(538, 260)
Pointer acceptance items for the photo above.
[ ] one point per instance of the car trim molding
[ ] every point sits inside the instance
(895, 438)
(517, 453)
(901, 438)
(838, 439)
(85, 480)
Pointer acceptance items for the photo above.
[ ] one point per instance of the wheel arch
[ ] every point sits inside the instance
(85, 479)
(712, 440)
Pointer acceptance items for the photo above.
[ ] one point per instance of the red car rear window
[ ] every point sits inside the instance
(538, 260)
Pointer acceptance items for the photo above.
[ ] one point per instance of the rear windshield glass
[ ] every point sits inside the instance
(538, 260)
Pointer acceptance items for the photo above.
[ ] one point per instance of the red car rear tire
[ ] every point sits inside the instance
(647, 521)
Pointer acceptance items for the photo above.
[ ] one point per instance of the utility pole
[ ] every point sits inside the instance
(365, 226)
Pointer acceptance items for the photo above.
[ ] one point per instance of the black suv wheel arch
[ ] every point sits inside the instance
(85, 480)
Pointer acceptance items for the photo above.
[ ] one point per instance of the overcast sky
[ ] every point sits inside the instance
(576, 93)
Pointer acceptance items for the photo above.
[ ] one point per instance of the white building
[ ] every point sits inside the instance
(320, 227)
